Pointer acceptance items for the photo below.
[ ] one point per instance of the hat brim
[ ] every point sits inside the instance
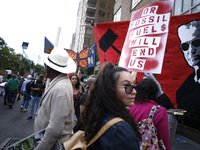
(71, 65)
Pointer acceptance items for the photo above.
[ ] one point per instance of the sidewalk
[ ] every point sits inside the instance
(183, 143)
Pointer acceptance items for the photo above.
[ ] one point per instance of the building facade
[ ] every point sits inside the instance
(124, 8)
(89, 13)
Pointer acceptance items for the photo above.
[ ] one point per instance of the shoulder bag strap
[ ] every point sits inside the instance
(153, 111)
(104, 129)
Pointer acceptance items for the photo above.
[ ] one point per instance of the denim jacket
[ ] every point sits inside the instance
(121, 136)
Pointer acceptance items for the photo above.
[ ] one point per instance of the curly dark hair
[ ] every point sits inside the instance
(146, 89)
(78, 81)
(102, 100)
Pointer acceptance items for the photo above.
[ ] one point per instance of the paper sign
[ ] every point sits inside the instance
(144, 47)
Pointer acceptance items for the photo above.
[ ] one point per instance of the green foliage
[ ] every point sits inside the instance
(40, 69)
(10, 60)
(88, 71)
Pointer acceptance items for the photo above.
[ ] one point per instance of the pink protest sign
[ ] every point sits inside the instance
(144, 46)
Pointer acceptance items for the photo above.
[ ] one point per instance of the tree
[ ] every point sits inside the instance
(10, 60)
(40, 69)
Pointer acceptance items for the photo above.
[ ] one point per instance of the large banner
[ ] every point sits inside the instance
(180, 78)
(144, 47)
(110, 38)
(85, 58)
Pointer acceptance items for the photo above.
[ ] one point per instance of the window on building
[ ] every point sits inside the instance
(108, 15)
(88, 31)
(100, 21)
(102, 4)
(86, 41)
(109, 5)
(101, 13)
(117, 16)
(134, 3)
(186, 7)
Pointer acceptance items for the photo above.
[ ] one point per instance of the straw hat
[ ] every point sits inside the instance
(59, 60)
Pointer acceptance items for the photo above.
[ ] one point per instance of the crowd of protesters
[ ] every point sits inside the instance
(65, 104)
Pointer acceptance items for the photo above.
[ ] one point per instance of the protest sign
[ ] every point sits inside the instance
(145, 42)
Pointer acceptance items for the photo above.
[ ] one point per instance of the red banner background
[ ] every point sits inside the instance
(175, 69)
(120, 29)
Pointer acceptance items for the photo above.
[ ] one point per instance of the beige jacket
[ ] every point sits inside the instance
(55, 112)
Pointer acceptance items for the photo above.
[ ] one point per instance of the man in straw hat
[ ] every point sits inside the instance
(55, 112)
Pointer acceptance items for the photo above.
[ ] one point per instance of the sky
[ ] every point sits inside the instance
(33, 20)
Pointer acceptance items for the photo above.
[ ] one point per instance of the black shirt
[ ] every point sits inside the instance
(37, 84)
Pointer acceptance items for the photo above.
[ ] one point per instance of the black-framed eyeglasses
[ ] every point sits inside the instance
(129, 88)
(185, 46)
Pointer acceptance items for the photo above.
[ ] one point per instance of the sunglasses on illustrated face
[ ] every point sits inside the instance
(185, 46)
(129, 88)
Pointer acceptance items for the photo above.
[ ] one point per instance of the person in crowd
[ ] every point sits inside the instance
(76, 88)
(26, 94)
(37, 89)
(164, 101)
(12, 85)
(147, 91)
(76, 93)
(6, 96)
(1, 78)
(55, 112)
(112, 92)
(21, 80)
(81, 103)
(2, 88)
(83, 97)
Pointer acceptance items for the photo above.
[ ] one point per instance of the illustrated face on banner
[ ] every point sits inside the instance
(189, 35)
(180, 80)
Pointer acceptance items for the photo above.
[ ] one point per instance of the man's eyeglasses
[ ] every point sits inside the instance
(129, 88)
(185, 46)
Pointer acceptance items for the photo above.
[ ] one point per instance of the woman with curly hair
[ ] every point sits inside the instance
(112, 92)
(146, 98)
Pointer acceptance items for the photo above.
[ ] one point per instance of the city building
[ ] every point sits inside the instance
(124, 8)
(89, 13)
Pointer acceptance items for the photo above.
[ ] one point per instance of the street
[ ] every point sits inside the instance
(14, 125)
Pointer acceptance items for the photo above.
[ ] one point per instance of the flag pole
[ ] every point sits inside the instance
(95, 59)
(56, 44)
(57, 38)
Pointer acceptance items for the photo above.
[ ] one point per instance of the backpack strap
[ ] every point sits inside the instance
(104, 129)
(153, 111)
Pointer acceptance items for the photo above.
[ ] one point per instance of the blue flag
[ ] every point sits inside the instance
(91, 56)
(25, 45)
(48, 46)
